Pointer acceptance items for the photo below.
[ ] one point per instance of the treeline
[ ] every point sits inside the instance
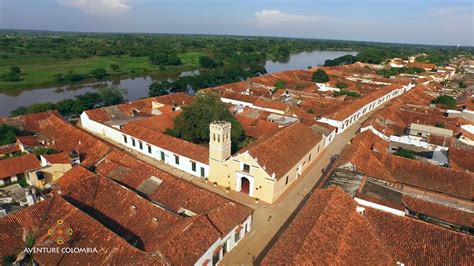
(74, 107)
(438, 56)
(387, 73)
(211, 78)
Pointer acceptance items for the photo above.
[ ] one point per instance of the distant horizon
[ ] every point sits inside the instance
(232, 35)
(430, 22)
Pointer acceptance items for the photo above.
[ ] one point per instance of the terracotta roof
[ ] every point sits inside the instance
(18, 165)
(349, 109)
(257, 127)
(173, 192)
(269, 104)
(368, 154)
(75, 174)
(461, 159)
(58, 158)
(239, 97)
(422, 65)
(413, 242)
(438, 211)
(280, 152)
(98, 115)
(159, 122)
(28, 141)
(175, 145)
(87, 232)
(179, 98)
(9, 148)
(30, 122)
(328, 230)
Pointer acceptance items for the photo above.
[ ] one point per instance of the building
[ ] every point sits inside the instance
(16, 168)
(425, 131)
(332, 228)
(266, 168)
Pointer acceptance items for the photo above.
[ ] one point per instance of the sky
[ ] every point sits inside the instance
(445, 22)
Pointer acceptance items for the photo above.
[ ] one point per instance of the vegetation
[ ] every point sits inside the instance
(7, 134)
(74, 107)
(207, 62)
(341, 85)
(405, 153)
(280, 84)
(449, 101)
(320, 76)
(44, 151)
(193, 122)
(216, 77)
(387, 73)
(462, 85)
(12, 155)
(346, 92)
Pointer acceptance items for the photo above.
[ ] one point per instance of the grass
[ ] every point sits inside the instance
(38, 70)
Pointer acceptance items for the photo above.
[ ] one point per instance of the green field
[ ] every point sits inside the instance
(39, 70)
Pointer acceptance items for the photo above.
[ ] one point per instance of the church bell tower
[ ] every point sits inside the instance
(219, 141)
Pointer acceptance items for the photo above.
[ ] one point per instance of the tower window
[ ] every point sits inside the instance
(246, 168)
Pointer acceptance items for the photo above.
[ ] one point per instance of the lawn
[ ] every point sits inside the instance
(38, 70)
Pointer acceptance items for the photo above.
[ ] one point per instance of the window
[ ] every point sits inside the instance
(133, 142)
(286, 181)
(140, 144)
(149, 149)
(318, 148)
(237, 236)
(193, 166)
(162, 155)
(309, 159)
(202, 171)
(246, 168)
(125, 139)
(176, 159)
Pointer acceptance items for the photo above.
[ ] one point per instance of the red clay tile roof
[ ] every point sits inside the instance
(58, 158)
(368, 154)
(87, 232)
(98, 115)
(239, 97)
(328, 230)
(28, 141)
(175, 145)
(173, 192)
(18, 165)
(159, 122)
(30, 122)
(422, 65)
(179, 98)
(461, 159)
(438, 211)
(350, 108)
(76, 174)
(9, 148)
(280, 152)
(257, 127)
(413, 242)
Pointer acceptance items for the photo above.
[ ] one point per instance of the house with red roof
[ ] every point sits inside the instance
(12, 169)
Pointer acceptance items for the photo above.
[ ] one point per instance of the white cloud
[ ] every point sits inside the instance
(271, 18)
(98, 7)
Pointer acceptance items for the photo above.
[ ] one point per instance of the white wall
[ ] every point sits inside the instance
(185, 164)
(229, 238)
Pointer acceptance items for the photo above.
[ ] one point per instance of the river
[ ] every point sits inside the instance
(138, 87)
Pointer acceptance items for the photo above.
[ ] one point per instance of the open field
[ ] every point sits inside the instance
(39, 70)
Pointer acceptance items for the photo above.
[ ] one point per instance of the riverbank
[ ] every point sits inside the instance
(39, 70)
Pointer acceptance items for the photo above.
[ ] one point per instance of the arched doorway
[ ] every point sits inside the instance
(244, 185)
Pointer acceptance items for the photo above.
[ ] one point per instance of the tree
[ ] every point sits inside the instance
(193, 122)
(320, 76)
(462, 85)
(10, 76)
(207, 62)
(111, 95)
(115, 67)
(341, 85)
(280, 84)
(405, 153)
(15, 69)
(449, 101)
(7, 134)
(162, 58)
(98, 73)
(159, 88)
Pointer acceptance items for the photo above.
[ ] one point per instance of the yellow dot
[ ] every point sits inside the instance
(59, 222)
